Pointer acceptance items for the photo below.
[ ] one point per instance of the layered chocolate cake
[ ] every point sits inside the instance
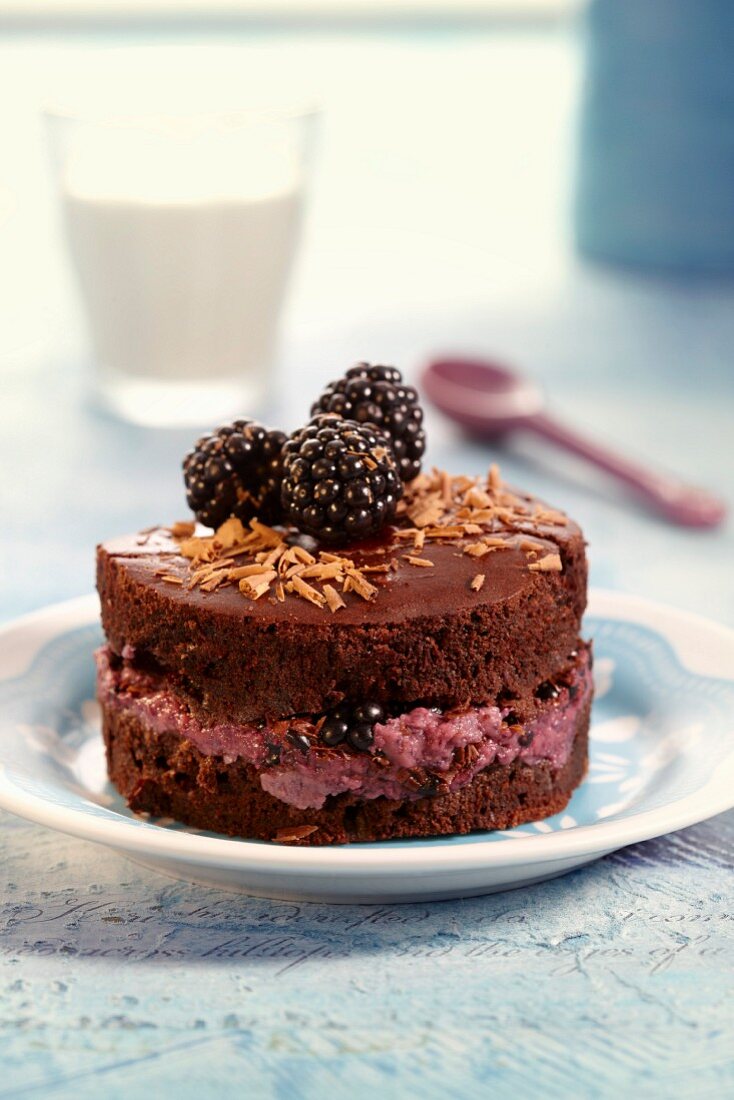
(412, 671)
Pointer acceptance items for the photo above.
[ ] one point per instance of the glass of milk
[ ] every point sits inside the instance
(182, 233)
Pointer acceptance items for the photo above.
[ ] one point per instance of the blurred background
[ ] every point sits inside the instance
(544, 183)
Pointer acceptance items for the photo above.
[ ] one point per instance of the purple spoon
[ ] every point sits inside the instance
(490, 400)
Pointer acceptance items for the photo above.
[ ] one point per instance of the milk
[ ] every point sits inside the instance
(182, 249)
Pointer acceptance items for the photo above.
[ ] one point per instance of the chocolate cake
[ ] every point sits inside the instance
(429, 679)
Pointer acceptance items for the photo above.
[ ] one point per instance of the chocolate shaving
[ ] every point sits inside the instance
(333, 599)
(477, 549)
(550, 516)
(307, 591)
(447, 532)
(302, 555)
(323, 571)
(182, 529)
(477, 498)
(360, 585)
(256, 586)
(550, 563)
(295, 832)
(238, 572)
(426, 511)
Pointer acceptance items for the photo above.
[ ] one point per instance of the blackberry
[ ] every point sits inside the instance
(235, 471)
(352, 724)
(378, 395)
(340, 480)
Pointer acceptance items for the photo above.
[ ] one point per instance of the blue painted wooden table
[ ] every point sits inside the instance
(116, 982)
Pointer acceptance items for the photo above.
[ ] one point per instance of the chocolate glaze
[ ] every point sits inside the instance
(411, 592)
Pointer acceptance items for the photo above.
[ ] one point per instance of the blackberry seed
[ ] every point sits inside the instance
(377, 395)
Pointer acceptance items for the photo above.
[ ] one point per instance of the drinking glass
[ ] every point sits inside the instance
(182, 232)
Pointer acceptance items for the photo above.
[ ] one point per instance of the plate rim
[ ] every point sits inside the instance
(124, 834)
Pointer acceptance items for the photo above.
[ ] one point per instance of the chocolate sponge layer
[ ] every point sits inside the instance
(166, 775)
(427, 637)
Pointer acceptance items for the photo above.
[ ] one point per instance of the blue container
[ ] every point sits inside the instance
(655, 184)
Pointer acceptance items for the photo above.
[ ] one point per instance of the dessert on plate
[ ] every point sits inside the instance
(345, 647)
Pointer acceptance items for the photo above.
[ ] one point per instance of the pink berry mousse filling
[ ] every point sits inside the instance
(450, 748)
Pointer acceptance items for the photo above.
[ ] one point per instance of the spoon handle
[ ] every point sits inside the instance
(680, 503)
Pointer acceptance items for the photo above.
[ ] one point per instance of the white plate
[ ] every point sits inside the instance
(662, 757)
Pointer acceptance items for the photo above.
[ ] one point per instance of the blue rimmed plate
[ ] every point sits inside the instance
(662, 757)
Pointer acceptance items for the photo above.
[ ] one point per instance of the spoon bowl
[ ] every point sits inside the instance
(483, 397)
(491, 400)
